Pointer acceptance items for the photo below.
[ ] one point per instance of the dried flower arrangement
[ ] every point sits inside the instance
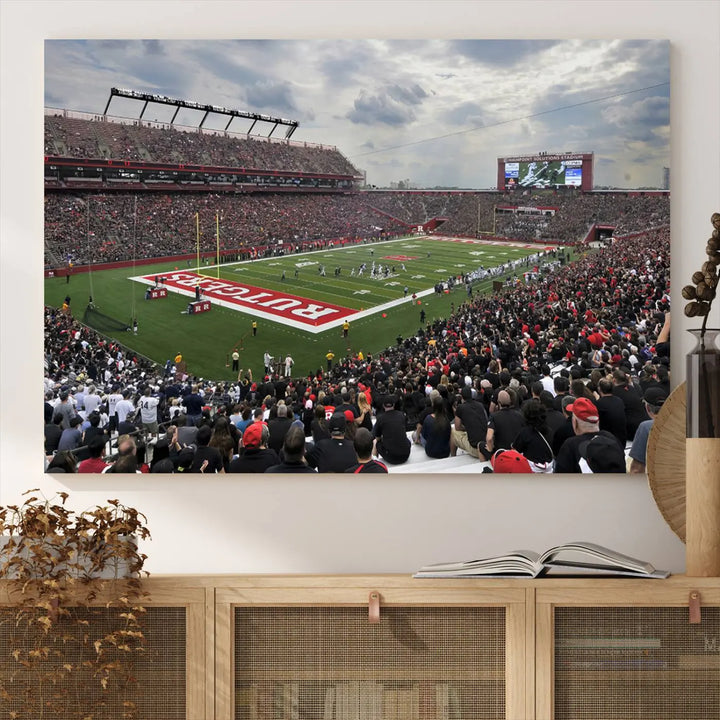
(702, 293)
(70, 610)
(703, 363)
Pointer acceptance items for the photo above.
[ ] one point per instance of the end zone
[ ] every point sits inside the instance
(290, 310)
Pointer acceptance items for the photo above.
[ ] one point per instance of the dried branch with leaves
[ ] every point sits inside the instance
(71, 608)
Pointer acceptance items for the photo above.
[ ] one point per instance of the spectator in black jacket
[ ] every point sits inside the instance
(293, 454)
(566, 430)
(632, 399)
(470, 424)
(207, 459)
(363, 444)
(336, 453)
(504, 426)
(278, 426)
(392, 442)
(49, 407)
(611, 410)
(94, 430)
(53, 431)
(573, 456)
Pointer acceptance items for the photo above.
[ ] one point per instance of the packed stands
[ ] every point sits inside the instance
(602, 317)
(68, 136)
(165, 221)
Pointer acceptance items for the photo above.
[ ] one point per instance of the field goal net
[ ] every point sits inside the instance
(103, 323)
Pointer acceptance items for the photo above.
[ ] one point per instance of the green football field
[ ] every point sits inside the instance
(206, 340)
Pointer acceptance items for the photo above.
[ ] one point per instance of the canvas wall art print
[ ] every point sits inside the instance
(426, 256)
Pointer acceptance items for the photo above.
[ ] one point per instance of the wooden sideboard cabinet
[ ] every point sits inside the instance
(274, 647)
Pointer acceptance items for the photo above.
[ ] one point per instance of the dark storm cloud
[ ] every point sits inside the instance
(649, 111)
(641, 119)
(409, 95)
(499, 52)
(381, 108)
(271, 94)
(392, 105)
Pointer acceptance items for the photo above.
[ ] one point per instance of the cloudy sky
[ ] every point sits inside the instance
(436, 112)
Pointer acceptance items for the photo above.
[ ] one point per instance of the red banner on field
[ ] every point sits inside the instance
(250, 298)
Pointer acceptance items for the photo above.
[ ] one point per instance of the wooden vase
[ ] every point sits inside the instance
(702, 523)
(702, 457)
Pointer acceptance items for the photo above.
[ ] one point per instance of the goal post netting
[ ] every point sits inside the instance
(103, 323)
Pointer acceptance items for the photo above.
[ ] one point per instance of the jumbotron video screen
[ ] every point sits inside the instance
(544, 174)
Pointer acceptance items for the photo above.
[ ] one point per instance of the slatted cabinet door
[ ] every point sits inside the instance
(169, 676)
(626, 650)
(303, 648)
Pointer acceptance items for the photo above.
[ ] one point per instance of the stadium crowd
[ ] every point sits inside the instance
(67, 136)
(119, 226)
(164, 224)
(574, 213)
(563, 371)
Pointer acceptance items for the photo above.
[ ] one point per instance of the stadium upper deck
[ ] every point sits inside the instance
(69, 135)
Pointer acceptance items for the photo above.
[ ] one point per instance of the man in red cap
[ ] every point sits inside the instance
(256, 456)
(509, 461)
(572, 457)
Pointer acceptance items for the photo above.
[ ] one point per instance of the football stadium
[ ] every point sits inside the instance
(235, 302)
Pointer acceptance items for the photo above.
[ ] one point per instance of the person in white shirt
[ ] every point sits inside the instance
(112, 400)
(124, 407)
(547, 381)
(175, 408)
(148, 411)
(92, 400)
(289, 362)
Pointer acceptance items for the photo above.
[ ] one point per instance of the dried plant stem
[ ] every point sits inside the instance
(55, 563)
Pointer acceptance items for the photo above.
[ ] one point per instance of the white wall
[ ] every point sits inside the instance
(338, 524)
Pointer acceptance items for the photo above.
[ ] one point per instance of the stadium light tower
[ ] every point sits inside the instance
(147, 98)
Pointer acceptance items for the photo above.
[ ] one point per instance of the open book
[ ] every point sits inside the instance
(575, 558)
